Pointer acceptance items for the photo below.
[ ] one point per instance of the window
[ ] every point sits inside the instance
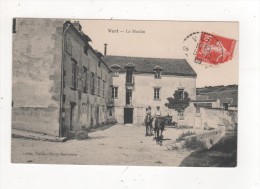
(181, 93)
(99, 92)
(85, 80)
(157, 74)
(129, 76)
(68, 46)
(181, 115)
(157, 71)
(14, 25)
(92, 83)
(99, 63)
(128, 97)
(116, 72)
(114, 92)
(86, 50)
(103, 88)
(74, 75)
(225, 106)
(156, 94)
(63, 98)
(115, 69)
(64, 77)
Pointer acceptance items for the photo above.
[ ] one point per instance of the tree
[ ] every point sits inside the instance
(179, 102)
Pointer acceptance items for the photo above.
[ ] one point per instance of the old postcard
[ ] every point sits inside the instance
(125, 92)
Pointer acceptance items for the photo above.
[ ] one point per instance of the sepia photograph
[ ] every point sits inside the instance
(125, 92)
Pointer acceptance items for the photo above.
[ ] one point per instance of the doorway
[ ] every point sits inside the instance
(128, 115)
(72, 115)
(97, 116)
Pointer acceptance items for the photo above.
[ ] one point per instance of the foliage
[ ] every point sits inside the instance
(195, 144)
(185, 134)
(179, 102)
(227, 124)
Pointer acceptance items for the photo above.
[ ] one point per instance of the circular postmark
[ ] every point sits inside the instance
(207, 49)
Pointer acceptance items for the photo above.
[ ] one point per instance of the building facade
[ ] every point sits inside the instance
(60, 83)
(141, 82)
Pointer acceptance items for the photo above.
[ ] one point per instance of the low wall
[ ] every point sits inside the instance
(212, 118)
(39, 120)
(204, 140)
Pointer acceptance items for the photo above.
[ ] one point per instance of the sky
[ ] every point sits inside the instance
(165, 39)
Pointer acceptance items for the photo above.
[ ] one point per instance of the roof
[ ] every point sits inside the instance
(227, 96)
(115, 66)
(157, 67)
(146, 65)
(85, 38)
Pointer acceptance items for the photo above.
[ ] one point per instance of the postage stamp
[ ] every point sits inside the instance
(214, 49)
(208, 49)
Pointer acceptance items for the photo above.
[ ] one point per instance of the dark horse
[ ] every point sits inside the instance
(148, 125)
(159, 125)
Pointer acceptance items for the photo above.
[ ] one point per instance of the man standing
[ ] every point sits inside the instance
(148, 120)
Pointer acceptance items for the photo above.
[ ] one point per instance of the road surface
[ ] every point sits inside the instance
(116, 145)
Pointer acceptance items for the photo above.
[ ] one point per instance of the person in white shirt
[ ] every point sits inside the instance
(158, 112)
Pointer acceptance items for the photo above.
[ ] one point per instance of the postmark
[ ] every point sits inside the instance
(208, 49)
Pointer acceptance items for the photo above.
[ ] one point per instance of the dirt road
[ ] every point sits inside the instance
(117, 145)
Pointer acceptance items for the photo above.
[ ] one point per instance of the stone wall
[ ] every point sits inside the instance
(90, 108)
(199, 141)
(36, 77)
(216, 117)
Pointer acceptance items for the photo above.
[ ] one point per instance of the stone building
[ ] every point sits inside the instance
(60, 83)
(141, 82)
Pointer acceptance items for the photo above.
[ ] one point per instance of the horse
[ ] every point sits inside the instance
(148, 125)
(159, 125)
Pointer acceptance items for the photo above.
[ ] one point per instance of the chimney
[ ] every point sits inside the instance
(77, 25)
(105, 49)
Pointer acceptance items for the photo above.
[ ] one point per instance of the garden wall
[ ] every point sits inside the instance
(213, 118)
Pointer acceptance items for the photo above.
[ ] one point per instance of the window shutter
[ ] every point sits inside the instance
(77, 76)
(72, 75)
(84, 80)
(88, 81)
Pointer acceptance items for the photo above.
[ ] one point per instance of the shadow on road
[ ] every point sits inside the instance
(222, 154)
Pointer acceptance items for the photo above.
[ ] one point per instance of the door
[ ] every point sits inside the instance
(72, 115)
(128, 115)
(97, 116)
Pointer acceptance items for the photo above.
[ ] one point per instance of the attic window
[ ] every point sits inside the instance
(116, 69)
(157, 72)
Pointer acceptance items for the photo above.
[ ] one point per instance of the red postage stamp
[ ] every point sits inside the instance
(214, 49)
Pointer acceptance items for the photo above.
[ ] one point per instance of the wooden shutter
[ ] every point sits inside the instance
(77, 76)
(72, 75)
